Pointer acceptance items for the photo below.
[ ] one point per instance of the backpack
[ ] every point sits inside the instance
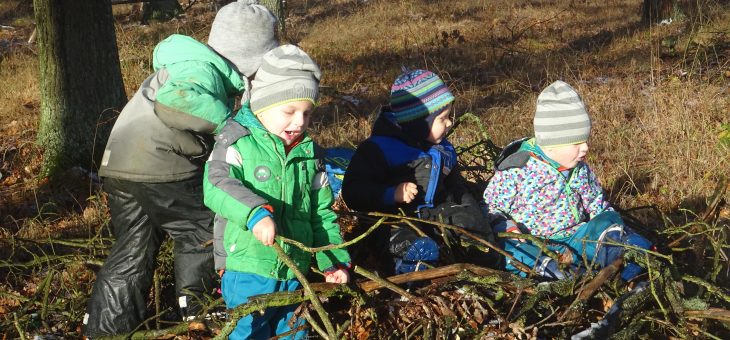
(336, 161)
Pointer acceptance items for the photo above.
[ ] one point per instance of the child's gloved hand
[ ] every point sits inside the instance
(265, 231)
(340, 275)
(405, 192)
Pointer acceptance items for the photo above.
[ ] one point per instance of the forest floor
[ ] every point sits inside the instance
(659, 99)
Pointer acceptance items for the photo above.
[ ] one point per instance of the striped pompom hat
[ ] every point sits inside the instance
(418, 93)
(561, 117)
(287, 74)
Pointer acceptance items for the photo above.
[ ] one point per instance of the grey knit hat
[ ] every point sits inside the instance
(286, 74)
(242, 32)
(561, 117)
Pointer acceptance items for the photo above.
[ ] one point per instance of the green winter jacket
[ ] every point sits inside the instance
(249, 168)
(164, 132)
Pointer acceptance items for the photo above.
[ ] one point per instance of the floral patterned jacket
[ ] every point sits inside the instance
(528, 188)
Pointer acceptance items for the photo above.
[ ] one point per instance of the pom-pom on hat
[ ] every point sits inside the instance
(561, 117)
(286, 74)
(418, 93)
(242, 32)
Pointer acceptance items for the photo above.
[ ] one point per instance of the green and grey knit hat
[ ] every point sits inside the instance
(561, 117)
(287, 74)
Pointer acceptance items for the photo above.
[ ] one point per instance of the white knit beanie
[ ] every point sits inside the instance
(561, 117)
(242, 32)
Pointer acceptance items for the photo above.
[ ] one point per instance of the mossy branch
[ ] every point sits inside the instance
(305, 284)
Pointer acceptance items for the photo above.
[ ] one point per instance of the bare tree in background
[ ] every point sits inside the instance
(658, 10)
(278, 8)
(80, 81)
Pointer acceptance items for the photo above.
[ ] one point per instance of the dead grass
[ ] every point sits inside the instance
(657, 113)
(658, 95)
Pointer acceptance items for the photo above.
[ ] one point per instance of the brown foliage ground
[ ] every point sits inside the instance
(659, 96)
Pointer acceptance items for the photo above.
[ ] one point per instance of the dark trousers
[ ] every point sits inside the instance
(141, 215)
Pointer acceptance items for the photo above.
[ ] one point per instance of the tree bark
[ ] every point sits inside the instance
(658, 10)
(80, 81)
(278, 8)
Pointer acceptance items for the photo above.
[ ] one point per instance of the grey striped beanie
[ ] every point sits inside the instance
(561, 117)
(242, 32)
(286, 74)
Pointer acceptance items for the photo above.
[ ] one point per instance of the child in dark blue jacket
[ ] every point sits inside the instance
(408, 165)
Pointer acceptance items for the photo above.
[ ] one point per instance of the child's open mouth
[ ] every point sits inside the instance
(291, 134)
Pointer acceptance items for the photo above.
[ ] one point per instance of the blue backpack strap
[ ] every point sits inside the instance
(336, 161)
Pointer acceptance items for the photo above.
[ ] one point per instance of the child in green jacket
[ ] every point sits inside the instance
(265, 178)
(153, 166)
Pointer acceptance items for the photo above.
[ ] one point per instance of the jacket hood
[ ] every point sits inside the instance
(179, 48)
(386, 125)
(512, 156)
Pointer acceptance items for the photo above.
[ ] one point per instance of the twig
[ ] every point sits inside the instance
(331, 246)
(158, 295)
(383, 282)
(259, 302)
(591, 287)
(416, 229)
(46, 291)
(17, 326)
(712, 289)
(538, 241)
(519, 265)
(717, 196)
(38, 261)
(190, 4)
(342, 329)
(653, 288)
(305, 284)
(69, 243)
(541, 321)
(293, 331)
(449, 270)
(711, 313)
(606, 273)
(314, 325)
(514, 303)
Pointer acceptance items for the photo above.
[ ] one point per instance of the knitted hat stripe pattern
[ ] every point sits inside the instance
(287, 74)
(242, 32)
(418, 93)
(405, 84)
(436, 101)
(561, 117)
(281, 74)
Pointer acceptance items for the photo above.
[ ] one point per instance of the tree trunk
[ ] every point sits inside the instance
(80, 81)
(658, 10)
(278, 8)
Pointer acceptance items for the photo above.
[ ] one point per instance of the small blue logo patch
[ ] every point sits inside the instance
(262, 173)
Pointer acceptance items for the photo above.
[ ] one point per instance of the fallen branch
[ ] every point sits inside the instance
(711, 313)
(383, 282)
(519, 265)
(305, 284)
(439, 272)
(590, 288)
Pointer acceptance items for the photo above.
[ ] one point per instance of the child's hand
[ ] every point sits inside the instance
(337, 276)
(405, 192)
(265, 231)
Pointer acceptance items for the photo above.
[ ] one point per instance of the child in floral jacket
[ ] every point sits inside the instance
(543, 187)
